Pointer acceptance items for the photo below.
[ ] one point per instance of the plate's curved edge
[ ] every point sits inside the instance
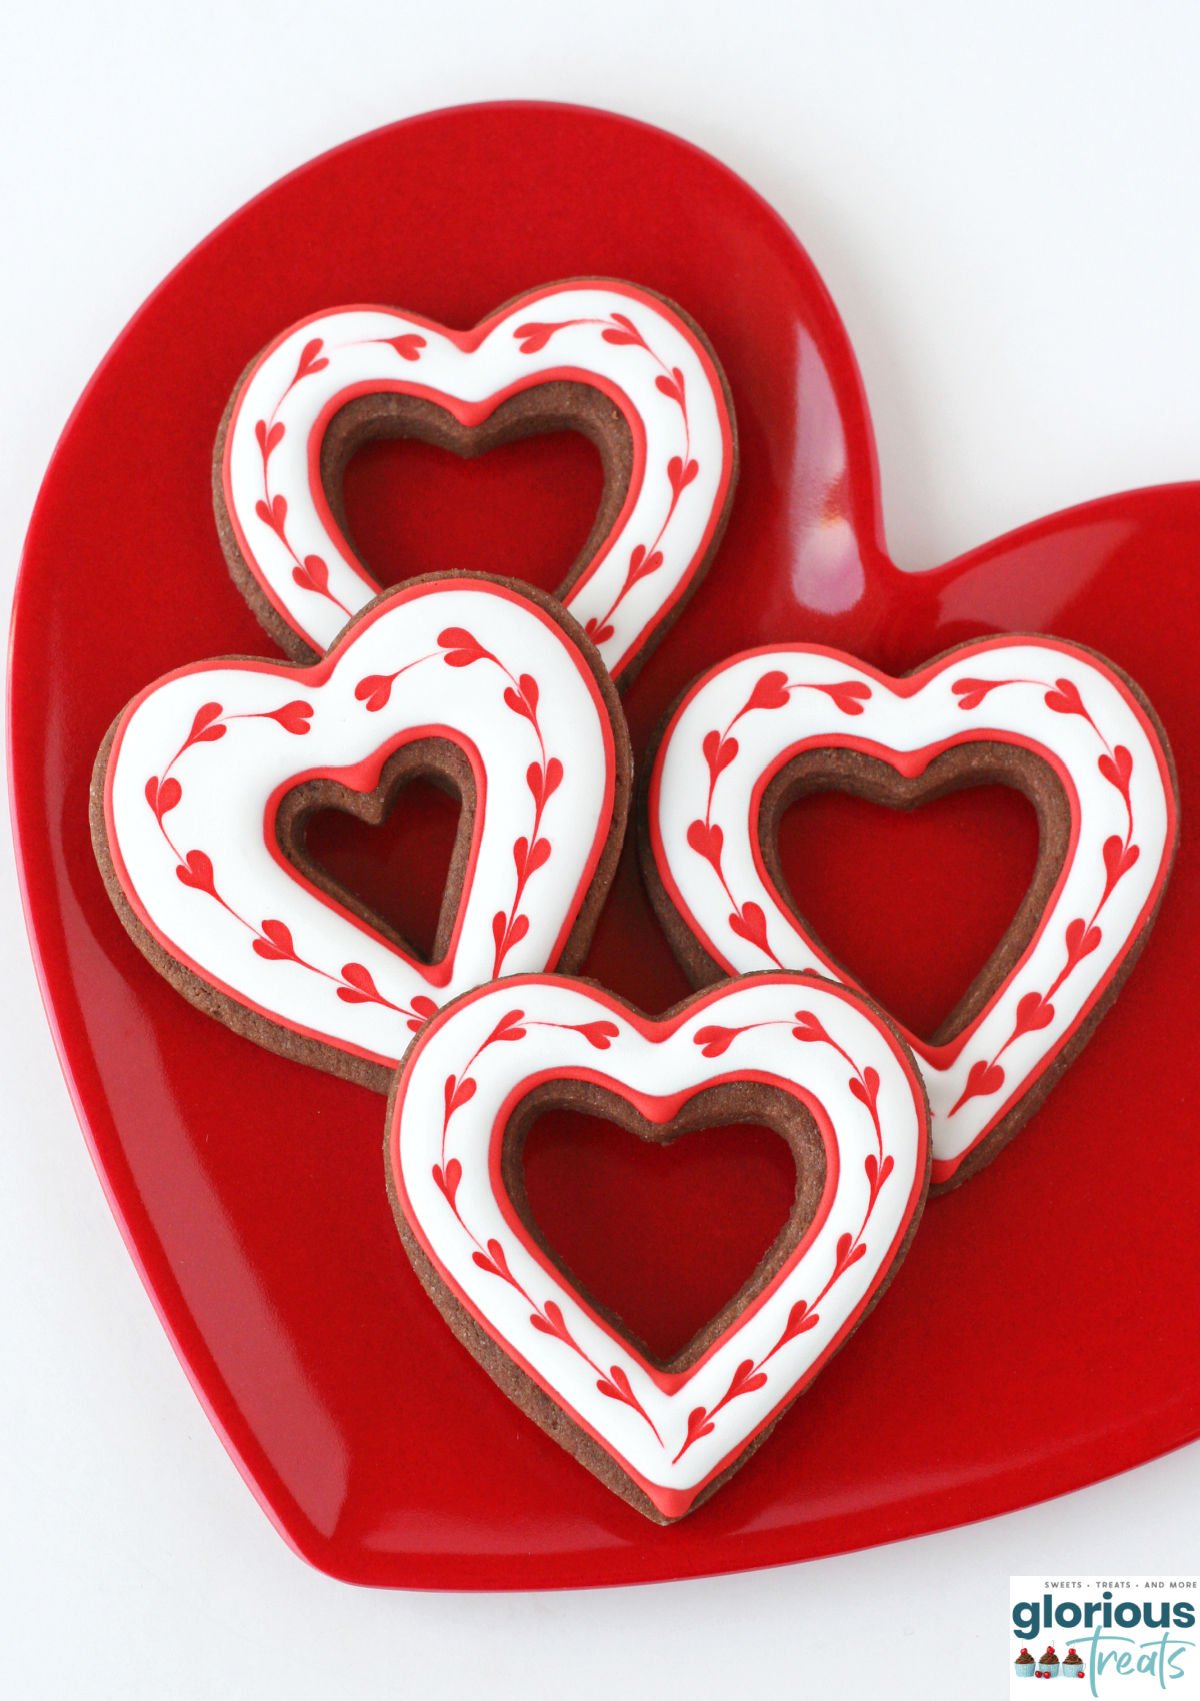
(295, 1530)
(1090, 508)
(546, 1575)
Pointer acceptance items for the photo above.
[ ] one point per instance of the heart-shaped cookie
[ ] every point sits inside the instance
(616, 362)
(1051, 718)
(811, 1059)
(204, 783)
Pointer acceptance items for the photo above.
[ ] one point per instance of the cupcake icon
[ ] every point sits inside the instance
(1025, 1664)
(1048, 1665)
(1072, 1666)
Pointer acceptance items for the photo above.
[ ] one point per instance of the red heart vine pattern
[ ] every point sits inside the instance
(546, 1317)
(1082, 935)
(311, 573)
(750, 1375)
(271, 939)
(706, 837)
(619, 330)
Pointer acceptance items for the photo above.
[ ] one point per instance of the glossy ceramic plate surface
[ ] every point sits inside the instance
(1041, 1333)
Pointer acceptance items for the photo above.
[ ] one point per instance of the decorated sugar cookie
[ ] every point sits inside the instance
(204, 784)
(1055, 720)
(809, 1058)
(613, 361)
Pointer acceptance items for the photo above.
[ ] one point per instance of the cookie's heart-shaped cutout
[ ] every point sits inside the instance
(1048, 716)
(365, 886)
(964, 862)
(398, 867)
(693, 1217)
(812, 1058)
(609, 359)
(205, 781)
(410, 507)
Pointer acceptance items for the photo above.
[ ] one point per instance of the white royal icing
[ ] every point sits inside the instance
(201, 760)
(673, 1432)
(811, 697)
(624, 341)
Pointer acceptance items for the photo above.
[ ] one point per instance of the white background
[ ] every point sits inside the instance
(1002, 198)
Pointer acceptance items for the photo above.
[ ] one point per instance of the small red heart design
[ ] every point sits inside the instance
(275, 942)
(849, 696)
(750, 924)
(294, 717)
(196, 872)
(770, 692)
(1033, 1011)
(706, 841)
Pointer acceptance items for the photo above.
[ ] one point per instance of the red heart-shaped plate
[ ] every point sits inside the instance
(1030, 1344)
